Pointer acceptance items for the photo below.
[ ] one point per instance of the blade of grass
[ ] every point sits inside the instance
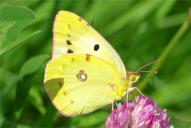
(36, 100)
(99, 14)
(137, 13)
(164, 55)
(172, 21)
(90, 120)
(26, 76)
(164, 10)
(7, 85)
(23, 126)
(48, 118)
(165, 95)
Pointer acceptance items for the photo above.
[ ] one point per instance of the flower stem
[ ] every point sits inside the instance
(172, 44)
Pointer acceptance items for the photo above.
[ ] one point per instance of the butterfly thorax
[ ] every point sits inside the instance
(120, 90)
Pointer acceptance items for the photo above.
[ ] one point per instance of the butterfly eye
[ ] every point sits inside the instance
(96, 47)
(134, 78)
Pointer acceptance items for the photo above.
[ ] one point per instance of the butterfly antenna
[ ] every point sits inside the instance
(139, 70)
(151, 71)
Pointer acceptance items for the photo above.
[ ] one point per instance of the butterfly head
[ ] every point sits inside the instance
(133, 77)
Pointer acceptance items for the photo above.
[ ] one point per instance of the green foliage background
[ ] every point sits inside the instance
(140, 30)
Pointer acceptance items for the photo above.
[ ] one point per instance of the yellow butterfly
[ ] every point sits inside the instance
(85, 72)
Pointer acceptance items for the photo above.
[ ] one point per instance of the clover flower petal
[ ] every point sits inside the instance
(143, 113)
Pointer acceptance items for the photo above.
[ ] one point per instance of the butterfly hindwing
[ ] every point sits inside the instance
(80, 83)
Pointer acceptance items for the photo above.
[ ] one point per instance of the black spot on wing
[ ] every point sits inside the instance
(96, 47)
(68, 42)
(70, 51)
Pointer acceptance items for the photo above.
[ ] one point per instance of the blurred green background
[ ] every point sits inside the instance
(140, 30)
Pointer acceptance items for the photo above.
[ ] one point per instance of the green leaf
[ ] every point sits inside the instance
(32, 65)
(19, 42)
(13, 19)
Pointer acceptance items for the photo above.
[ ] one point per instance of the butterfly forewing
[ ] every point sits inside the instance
(72, 34)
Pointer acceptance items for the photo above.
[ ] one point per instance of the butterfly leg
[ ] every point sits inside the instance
(81, 113)
(113, 102)
(133, 88)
